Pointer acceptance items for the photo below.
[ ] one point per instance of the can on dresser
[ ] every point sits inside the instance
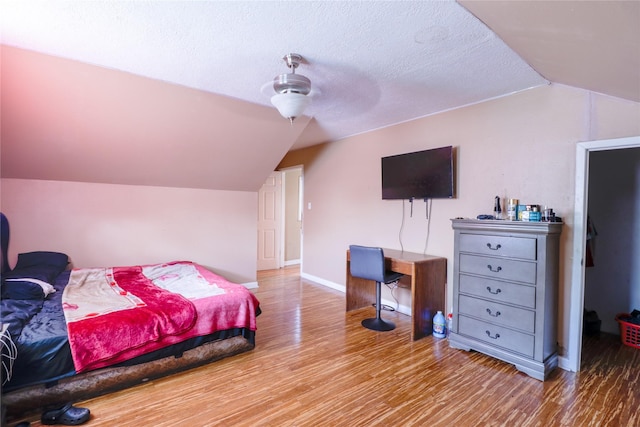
(512, 210)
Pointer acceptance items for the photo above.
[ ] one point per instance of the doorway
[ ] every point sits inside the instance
(612, 272)
(579, 240)
(292, 191)
(280, 219)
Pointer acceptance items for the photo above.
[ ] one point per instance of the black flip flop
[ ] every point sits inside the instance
(68, 415)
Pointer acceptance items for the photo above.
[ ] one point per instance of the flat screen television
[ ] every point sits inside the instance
(426, 174)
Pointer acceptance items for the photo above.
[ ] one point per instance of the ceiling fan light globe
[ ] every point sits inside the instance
(290, 104)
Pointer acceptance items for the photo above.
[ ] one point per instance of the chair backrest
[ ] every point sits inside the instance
(367, 263)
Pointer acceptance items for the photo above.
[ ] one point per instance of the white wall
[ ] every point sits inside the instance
(522, 146)
(612, 285)
(109, 225)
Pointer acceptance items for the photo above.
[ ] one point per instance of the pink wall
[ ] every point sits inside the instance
(109, 225)
(521, 146)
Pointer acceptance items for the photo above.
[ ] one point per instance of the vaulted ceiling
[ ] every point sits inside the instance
(205, 68)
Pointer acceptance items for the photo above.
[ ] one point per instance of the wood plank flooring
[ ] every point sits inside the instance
(315, 365)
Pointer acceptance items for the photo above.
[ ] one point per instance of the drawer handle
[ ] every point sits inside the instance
(492, 292)
(493, 315)
(498, 246)
(497, 270)
(493, 338)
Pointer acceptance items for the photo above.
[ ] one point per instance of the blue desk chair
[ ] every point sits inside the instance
(368, 263)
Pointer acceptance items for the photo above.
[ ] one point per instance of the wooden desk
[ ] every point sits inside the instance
(428, 283)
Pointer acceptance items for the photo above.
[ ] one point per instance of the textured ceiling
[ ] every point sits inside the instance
(138, 92)
(372, 64)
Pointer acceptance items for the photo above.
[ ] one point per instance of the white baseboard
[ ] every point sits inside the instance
(399, 308)
(250, 285)
(292, 262)
(323, 282)
(563, 363)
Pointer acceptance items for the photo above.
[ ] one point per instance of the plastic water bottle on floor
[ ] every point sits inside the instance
(439, 325)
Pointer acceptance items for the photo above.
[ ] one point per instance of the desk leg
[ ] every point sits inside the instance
(428, 288)
(359, 292)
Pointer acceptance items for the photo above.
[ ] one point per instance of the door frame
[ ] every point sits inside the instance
(581, 201)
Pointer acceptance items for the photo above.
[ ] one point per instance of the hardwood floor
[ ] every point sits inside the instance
(315, 365)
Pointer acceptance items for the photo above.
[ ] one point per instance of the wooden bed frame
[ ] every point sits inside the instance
(106, 380)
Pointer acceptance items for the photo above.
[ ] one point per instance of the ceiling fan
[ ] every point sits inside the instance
(292, 90)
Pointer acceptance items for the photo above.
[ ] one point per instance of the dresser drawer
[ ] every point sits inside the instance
(511, 293)
(499, 314)
(513, 247)
(499, 336)
(505, 269)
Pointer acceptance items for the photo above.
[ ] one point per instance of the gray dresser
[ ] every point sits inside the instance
(505, 287)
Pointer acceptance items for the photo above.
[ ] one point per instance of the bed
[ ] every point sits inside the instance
(73, 334)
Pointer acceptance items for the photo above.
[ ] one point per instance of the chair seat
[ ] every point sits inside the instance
(391, 276)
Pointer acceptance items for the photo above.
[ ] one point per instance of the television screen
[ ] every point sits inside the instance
(424, 174)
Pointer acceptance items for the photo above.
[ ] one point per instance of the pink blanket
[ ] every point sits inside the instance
(114, 314)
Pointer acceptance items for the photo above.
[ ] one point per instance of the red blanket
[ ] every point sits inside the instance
(114, 314)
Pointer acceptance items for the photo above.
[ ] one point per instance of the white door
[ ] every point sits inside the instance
(269, 222)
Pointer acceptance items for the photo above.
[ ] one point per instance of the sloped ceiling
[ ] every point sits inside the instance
(176, 93)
